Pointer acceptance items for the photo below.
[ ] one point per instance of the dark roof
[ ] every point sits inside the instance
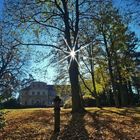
(38, 82)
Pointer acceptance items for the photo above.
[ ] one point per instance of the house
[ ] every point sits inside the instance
(37, 94)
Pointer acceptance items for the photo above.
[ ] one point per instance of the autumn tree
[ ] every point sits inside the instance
(119, 44)
(13, 64)
(53, 19)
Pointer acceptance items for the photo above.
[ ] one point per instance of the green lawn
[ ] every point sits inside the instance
(96, 124)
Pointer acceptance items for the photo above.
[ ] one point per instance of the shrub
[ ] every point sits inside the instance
(11, 103)
(68, 103)
(88, 101)
(2, 120)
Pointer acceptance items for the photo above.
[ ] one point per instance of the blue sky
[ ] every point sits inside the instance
(1, 5)
(39, 76)
(123, 5)
(49, 77)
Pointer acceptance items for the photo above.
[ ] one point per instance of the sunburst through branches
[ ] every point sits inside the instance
(72, 52)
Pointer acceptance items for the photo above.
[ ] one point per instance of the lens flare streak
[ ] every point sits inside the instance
(72, 52)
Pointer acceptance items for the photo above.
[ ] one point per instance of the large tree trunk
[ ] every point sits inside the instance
(77, 105)
(73, 70)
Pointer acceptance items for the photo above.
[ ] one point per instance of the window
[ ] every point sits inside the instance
(38, 93)
(33, 93)
(43, 93)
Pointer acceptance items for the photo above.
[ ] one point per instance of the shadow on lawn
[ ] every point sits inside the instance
(75, 130)
(100, 124)
(127, 112)
(105, 124)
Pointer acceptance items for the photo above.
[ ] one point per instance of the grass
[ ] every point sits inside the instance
(96, 124)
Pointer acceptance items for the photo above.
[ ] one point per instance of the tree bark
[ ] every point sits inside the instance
(77, 105)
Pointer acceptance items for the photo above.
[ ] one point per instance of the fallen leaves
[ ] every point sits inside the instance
(96, 124)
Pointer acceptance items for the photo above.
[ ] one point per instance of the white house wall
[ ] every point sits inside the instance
(35, 95)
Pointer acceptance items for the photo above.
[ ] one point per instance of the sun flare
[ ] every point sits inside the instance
(72, 53)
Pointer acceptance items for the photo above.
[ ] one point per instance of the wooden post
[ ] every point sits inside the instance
(57, 102)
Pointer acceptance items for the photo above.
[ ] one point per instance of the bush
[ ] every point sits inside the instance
(88, 101)
(11, 103)
(68, 103)
(2, 121)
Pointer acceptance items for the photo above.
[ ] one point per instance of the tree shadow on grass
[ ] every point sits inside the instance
(75, 130)
(106, 121)
(127, 112)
